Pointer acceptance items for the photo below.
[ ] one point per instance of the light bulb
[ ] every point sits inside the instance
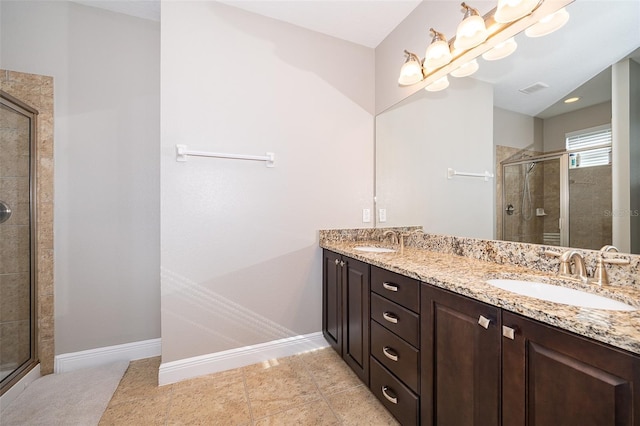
(512, 10)
(440, 84)
(501, 50)
(466, 69)
(438, 53)
(410, 73)
(548, 24)
(471, 31)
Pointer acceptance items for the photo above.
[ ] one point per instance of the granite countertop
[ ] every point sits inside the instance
(467, 276)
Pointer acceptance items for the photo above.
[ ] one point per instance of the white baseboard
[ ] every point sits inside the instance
(107, 355)
(175, 371)
(17, 389)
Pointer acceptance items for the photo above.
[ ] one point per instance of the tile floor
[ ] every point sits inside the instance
(316, 388)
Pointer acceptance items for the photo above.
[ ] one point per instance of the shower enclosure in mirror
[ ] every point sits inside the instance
(17, 239)
(556, 200)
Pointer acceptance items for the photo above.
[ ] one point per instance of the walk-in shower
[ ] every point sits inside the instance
(549, 200)
(17, 239)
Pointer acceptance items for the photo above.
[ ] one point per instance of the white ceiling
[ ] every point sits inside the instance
(599, 33)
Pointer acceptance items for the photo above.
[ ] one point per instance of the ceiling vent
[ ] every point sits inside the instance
(535, 87)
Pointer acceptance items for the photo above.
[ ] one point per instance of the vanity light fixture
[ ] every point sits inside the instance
(572, 100)
(548, 24)
(438, 53)
(411, 71)
(480, 34)
(466, 69)
(512, 10)
(501, 50)
(471, 31)
(440, 84)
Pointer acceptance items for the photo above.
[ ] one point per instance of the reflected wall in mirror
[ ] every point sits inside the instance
(486, 122)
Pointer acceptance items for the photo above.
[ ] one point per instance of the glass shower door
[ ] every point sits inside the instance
(532, 201)
(17, 289)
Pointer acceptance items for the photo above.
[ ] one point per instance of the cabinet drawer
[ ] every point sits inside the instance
(395, 396)
(395, 318)
(395, 354)
(400, 289)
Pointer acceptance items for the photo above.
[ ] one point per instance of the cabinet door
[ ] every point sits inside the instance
(332, 299)
(460, 351)
(355, 297)
(552, 377)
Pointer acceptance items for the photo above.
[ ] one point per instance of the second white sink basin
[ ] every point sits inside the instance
(557, 294)
(371, 249)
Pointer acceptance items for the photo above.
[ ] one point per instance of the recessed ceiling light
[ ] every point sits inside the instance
(571, 100)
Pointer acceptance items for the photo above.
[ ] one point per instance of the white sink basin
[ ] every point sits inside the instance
(557, 294)
(371, 249)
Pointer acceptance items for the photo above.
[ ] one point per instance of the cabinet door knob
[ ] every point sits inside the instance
(391, 317)
(389, 286)
(337, 261)
(484, 321)
(390, 398)
(390, 353)
(342, 263)
(508, 332)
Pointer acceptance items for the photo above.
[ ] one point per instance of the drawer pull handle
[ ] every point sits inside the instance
(342, 263)
(391, 317)
(390, 353)
(391, 399)
(337, 261)
(484, 321)
(390, 287)
(508, 332)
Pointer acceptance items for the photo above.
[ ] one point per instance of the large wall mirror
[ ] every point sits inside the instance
(509, 122)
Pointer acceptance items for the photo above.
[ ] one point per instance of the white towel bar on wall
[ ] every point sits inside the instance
(451, 173)
(182, 152)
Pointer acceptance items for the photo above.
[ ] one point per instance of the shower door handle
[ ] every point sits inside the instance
(5, 212)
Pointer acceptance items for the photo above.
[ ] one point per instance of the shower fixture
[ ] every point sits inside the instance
(5, 212)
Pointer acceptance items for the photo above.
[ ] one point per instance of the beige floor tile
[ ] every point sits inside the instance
(330, 372)
(316, 413)
(140, 381)
(151, 411)
(278, 386)
(210, 400)
(358, 406)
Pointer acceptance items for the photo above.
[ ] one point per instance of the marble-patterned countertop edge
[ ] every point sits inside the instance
(467, 276)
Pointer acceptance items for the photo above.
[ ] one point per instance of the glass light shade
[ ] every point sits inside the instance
(466, 69)
(440, 84)
(501, 50)
(548, 24)
(410, 73)
(470, 33)
(437, 54)
(511, 10)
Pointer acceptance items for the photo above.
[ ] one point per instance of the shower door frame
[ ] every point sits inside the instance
(22, 108)
(564, 190)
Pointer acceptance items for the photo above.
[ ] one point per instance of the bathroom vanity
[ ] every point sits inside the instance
(441, 346)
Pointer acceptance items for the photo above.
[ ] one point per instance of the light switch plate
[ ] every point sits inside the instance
(382, 215)
(366, 215)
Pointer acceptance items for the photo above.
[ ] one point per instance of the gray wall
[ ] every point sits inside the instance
(240, 258)
(107, 98)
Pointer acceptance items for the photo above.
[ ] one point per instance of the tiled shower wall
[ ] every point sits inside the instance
(37, 92)
(15, 309)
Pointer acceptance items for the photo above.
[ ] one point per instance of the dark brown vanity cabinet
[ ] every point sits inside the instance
(552, 377)
(395, 343)
(460, 360)
(345, 313)
(485, 366)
